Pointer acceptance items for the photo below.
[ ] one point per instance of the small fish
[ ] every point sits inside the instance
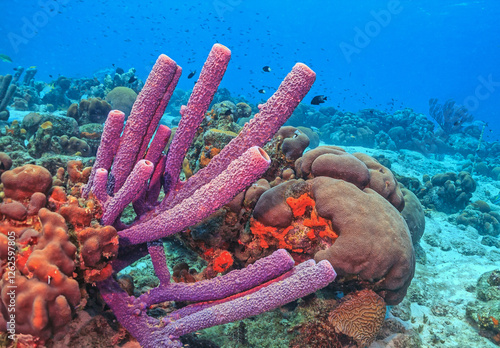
(262, 91)
(132, 79)
(191, 74)
(32, 67)
(5, 58)
(496, 199)
(319, 99)
(266, 68)
(119, 71)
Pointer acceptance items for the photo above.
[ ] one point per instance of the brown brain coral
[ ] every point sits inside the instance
(359, 316)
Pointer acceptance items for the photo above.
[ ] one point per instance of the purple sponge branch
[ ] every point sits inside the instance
(143, 113)
(264, 292)
(147, 200)
(261, 128)
(234, 282)
(297, 283)
(132, 189)
(161, 109)
(99, 185)
(193, 114)
(110, 140)
(157, 253)
(158, 144)
(240, 174)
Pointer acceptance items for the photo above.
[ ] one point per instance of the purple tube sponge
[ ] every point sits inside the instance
(263, 286)
(261, 128)
(110, 140)
(135, 185)
(136, 165)
(240, 174)
(192, 115)
(150, 103)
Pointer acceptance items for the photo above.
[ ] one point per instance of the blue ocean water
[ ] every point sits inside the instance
(381, 54)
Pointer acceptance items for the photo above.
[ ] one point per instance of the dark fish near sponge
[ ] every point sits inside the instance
(191, 74)
(119, 71)
(132, 79)
(318, 99)
(266, 68)
(262, 91)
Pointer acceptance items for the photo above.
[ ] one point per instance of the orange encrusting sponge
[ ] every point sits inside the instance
(315, 227)
(299, 205)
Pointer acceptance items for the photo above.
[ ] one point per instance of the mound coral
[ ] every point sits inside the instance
(21, 182)
(351, 219)
(122, 98)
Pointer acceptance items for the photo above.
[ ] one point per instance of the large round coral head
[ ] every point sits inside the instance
(21, 182)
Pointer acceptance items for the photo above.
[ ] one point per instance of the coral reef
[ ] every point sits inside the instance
(447, 192)
(92, 110)
(240, 162)
(485, 312)
(480, 216)
(44, 142)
